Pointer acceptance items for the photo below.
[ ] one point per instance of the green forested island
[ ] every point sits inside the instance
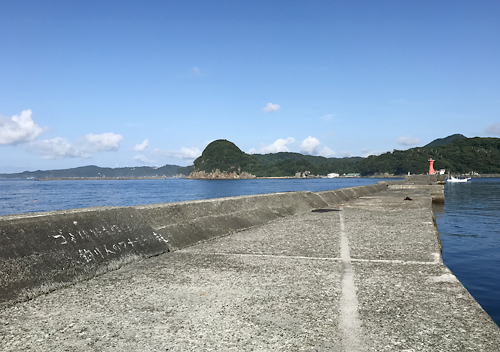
(456, 153)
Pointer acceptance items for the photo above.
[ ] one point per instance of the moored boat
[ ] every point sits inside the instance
(455, 179)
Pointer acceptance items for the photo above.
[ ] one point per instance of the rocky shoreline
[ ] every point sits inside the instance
(218, 175)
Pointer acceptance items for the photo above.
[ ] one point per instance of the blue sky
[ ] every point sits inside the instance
(131, 83)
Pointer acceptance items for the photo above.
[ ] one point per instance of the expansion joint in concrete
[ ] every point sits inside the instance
(333, 259)
(349, 322)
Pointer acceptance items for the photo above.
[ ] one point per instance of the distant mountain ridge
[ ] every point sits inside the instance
(96, 171)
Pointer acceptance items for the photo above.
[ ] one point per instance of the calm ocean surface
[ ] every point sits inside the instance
(24, 196)
(468, 224)
(469, 229)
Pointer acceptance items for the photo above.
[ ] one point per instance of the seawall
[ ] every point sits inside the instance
(40, 252)
(350, 270)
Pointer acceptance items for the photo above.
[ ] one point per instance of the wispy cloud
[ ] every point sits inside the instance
(408, 140)
(143, 159)
(142, 146)
(280, 145)
(61, 148)
(494, 129)
(196, 71)
(270, 107)
(184, 153)
(18, 129)
(56, 148)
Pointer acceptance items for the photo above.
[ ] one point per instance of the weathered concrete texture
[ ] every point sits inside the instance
(40, 252)
(365, 277)
(436, 190)
(186, 223)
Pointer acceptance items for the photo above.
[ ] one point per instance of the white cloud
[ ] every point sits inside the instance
(408, 140)
(271, 107)
(327, 152)
(143, 159)
(280, 145)
(183, 153)
(196, 71)
(103, 142)
(18, 129)
(142, 146)
(310, 146)
(494, 129)
(56, 148)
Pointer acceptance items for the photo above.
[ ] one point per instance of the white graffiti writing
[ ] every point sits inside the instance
(61, 236)
(103, 251)
(159, 237)
(87, 238)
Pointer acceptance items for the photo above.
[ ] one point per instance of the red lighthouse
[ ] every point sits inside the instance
(431, 166)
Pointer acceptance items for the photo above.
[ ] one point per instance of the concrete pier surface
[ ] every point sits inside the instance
(363, 275)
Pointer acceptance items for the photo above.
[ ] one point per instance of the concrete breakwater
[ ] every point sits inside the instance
(361, 274)
(40, 252)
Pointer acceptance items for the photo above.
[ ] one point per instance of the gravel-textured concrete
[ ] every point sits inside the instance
(366, 276)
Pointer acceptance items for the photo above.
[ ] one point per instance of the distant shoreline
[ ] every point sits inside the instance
(165, 178)
(257, 178)
(104, 178)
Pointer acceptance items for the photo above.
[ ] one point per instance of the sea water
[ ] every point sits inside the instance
(27, 196)
(469, 229)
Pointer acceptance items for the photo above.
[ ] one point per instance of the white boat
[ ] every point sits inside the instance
(454, 179)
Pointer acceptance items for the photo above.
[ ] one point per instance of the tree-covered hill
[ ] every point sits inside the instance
(224, 156)
(287, 164)
(460, 155)
(456, 154)
(444, 141)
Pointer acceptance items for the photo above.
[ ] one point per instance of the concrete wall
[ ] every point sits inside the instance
(39, 252)
(425, 179)
(43, 251)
